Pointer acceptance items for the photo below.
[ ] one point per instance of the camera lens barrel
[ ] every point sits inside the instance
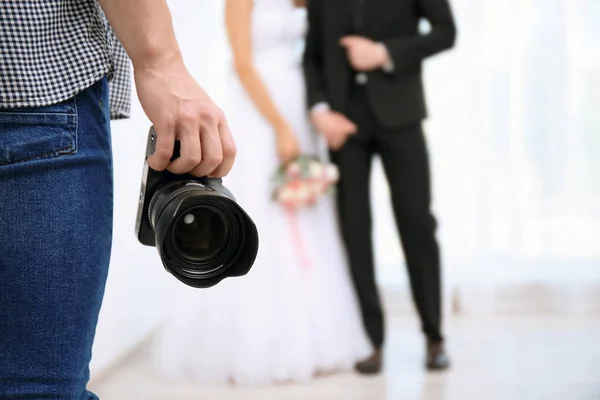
(202, 235)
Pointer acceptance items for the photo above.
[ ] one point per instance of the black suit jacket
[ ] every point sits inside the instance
(398, 97)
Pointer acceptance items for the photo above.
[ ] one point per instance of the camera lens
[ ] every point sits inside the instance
(200, 234)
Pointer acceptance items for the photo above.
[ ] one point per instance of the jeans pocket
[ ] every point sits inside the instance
(28, 134)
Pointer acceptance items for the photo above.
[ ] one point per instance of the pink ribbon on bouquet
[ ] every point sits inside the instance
(313, 187)
(297, 240)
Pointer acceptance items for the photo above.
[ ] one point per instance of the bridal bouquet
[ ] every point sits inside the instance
(303, 182)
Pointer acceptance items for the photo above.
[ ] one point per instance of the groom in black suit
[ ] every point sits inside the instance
(362, 66)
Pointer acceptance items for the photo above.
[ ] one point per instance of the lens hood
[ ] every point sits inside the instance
(234, 258)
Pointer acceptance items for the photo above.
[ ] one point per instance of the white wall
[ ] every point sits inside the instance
(139, 289)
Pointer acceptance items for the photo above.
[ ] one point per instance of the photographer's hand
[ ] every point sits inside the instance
(180, 109)
(176, 105)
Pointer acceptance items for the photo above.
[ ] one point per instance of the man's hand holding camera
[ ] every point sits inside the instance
(176, 105)
(181, 110)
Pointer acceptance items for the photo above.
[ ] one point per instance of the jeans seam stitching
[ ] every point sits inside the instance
(73, 147)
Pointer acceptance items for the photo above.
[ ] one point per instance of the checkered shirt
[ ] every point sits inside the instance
(50, 50)
(120, 84)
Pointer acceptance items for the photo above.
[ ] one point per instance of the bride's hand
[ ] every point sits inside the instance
(288, 148)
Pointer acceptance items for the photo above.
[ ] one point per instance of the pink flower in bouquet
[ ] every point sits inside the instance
(294, 185)
(293, 170)
(313, 190)
(304, 192)
(318, 187)
(314, 186)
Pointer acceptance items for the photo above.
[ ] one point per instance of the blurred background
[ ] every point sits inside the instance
(514, 136)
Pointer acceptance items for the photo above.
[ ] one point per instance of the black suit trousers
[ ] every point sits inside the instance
(404, 156)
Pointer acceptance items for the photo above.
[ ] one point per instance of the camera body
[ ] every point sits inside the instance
(202, 235)
(152, 180)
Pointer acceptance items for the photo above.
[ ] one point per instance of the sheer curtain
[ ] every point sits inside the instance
(515, 147)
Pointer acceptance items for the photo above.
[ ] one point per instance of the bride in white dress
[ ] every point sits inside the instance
(294, 315)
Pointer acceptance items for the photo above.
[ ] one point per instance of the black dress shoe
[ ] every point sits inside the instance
(370, 365)
(437, 360)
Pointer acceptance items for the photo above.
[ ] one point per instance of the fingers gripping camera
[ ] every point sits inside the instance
(202, 235)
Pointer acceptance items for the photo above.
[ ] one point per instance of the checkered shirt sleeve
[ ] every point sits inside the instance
(50, 50)
(120, 84)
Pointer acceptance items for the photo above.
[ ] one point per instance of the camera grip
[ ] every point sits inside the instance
(152, 146)
(213, 182)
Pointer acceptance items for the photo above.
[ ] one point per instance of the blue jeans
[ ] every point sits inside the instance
(56, 211)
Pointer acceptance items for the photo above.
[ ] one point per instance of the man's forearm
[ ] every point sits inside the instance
(145, 29)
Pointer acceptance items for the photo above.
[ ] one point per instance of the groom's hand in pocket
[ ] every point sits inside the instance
(334, 127)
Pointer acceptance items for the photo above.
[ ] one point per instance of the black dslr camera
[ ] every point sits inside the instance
(202, 235)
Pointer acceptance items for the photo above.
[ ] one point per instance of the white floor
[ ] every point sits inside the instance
(504, 358)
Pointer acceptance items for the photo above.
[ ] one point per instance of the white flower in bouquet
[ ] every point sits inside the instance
(331, 173)
(315, 169)
(286, 194)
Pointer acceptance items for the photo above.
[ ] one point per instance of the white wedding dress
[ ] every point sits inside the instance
(295, 314)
